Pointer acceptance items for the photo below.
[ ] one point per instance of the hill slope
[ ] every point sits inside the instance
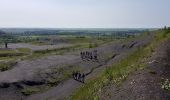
(147, 84)
(143, 75)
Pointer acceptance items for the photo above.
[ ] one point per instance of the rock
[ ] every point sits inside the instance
(4, 85)
(33, 82)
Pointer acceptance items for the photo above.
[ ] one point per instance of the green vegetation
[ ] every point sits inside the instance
(116, 74)
(39, 43)
(30, 90)
(53, 82)
(93, 45)
(10, 53)
(6, 65)
(64, 73)
(7, 51)
(9, 57)
(166, 85)
(24, 50)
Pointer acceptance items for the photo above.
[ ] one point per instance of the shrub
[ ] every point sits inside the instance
(30, 90)
(166, 85)
(7, 65)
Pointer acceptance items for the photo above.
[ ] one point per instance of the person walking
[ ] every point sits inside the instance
(86, 56)
(76, 75)
(83, 77)
(73, 74)
(91, 56)
(79, 76)
(81, 54)
(95, 55)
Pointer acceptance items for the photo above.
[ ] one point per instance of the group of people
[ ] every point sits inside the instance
(87, 55)
(78, 76)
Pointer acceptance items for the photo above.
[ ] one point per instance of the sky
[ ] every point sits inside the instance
(85, 13)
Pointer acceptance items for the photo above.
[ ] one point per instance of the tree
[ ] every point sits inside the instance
(6, 38)
(6, 45)
(165, 28)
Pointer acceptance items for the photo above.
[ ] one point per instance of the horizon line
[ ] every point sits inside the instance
(81, 27)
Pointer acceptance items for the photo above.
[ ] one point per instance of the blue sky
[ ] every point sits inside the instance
(85, 13)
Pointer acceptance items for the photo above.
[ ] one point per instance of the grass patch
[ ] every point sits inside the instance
(166, 85)
(30, 90)
(9, 53)
(93, 45)
(39, 43)
(53, 82)
(24, 50)
(7, 65)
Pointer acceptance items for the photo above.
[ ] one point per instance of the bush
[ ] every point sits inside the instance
(166, 85)
(7, 65)
(30, 90)
(53, 82)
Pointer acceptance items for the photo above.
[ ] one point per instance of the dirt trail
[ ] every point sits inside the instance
(145, 84)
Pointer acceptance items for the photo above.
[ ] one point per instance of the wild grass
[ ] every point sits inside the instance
(38, 43)
(53, 82)
(166, 85)
(24, 50)
(7, 65)
(30, 90)
(10, 53)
